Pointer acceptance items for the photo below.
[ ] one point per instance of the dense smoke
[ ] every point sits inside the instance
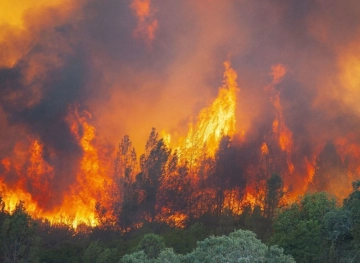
(140, 64)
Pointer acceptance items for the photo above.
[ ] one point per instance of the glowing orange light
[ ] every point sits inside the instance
(264, 149)
(213, 122)
(147, 24)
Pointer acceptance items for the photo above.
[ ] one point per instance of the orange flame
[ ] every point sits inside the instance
(213, 122)
(264, 149)
(79, 205)
(34, 178)
(39, 173)
(279, 127)
(28, 174)
(310, 173)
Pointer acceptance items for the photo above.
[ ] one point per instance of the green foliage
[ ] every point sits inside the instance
(337, 228)
(92, 252)
(226, 223)
(136, 257)
(352, 205)
(19, 242)
(65, 251)
(3, 216)
(184, 240)
(152, 245)
(298, 228)
(109, 255)
(60, 243)
(275, 254)
(198, 231)
(344, 228)
(240, 246)
(178, 240)
(254, 220)
(95, 253)
(337, 225)
(168, 256)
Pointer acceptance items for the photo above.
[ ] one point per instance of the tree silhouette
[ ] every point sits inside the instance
(18, 236)
(125, 205)
(274, 193)
(153, 170)
(329, 171)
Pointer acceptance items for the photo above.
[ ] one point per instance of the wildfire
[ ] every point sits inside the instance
(35, 175)
(212, 123)
(35, 179)
(91, 180)
(39, 174)
(32, 175)
(310, 173)
(282, 133)
(55, 54)
(264, 149)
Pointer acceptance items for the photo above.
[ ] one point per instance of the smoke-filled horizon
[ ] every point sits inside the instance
(128, 66)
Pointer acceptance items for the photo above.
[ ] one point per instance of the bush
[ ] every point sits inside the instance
(240, 246)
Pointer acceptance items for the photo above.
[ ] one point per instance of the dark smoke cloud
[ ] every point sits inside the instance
(37, 92)
(91, 59)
